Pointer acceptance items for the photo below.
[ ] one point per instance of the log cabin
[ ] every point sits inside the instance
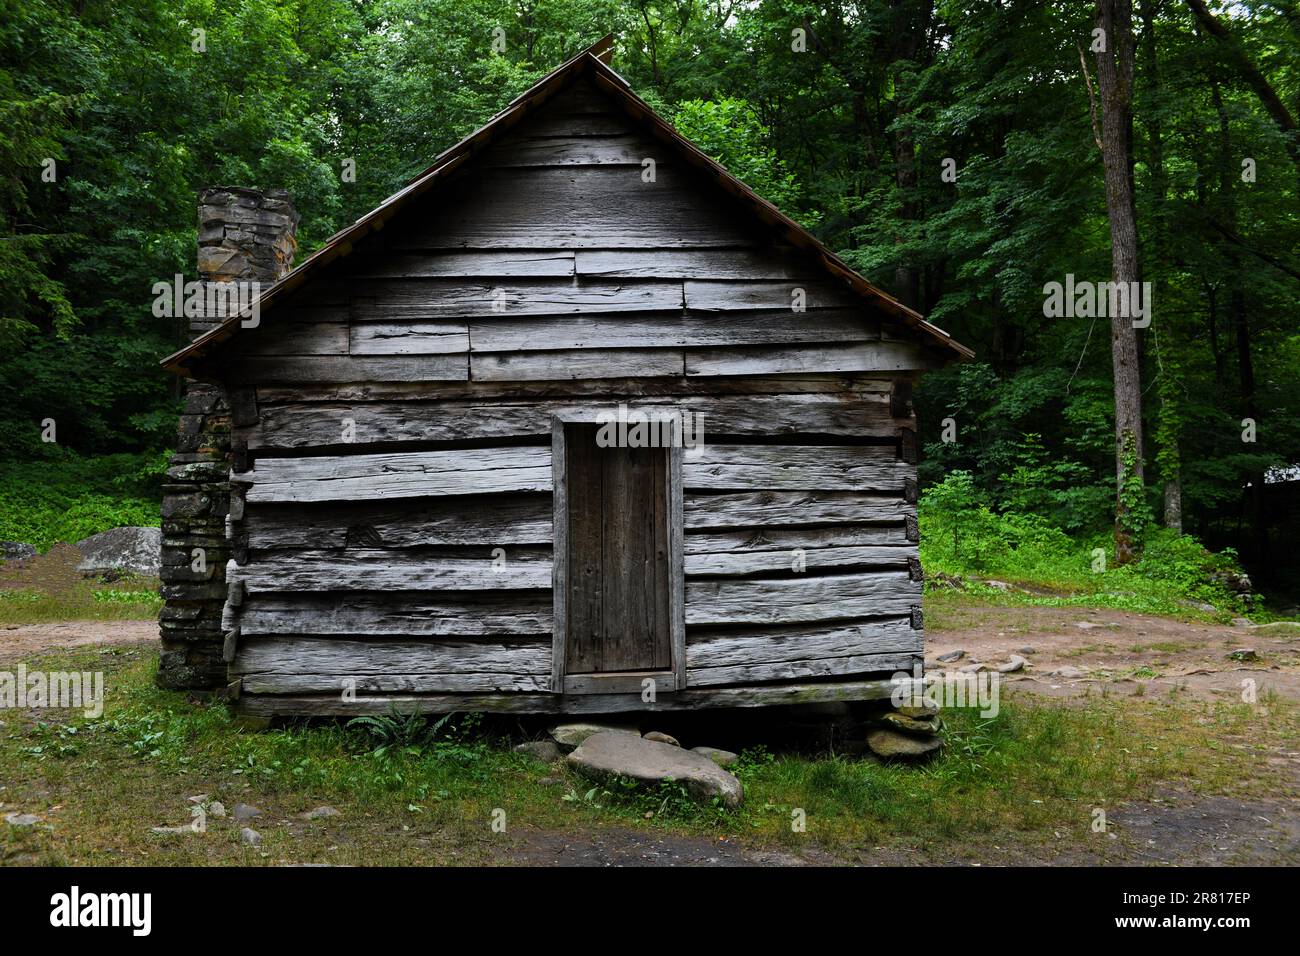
(427, 509)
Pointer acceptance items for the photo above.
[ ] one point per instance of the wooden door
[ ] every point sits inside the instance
(617, 601)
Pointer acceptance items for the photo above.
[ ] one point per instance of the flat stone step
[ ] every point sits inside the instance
(604, 755)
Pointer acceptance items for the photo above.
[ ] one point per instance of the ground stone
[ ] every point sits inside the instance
(1017, 663)
(321, 813)
(951, 656)
(1066, 671)
(569, 736)
(250, 836)
(242, 812)
(924, 708)
(662, 738)
(723, 758)
(22, 819)
(604, 755)
(912, 725)
(891, 743)
(1241, 622)
(16, 550)
(122, 549)
(547, 751)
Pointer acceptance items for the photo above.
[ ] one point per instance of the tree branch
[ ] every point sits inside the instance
(1092, 97)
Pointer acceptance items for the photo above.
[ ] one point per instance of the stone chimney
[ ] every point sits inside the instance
(244, 235)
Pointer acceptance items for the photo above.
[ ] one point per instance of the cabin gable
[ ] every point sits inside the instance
(560, 254)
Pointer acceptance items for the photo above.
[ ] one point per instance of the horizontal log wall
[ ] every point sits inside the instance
(391, 522)
(426, 543)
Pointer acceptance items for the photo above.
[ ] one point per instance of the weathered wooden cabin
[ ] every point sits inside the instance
(424, 511)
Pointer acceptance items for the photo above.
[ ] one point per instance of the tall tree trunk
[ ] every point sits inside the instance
(1115, 84)
(1169, 424)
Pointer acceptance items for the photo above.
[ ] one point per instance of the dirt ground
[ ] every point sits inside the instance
(1176, 830)
(1079, 651)
(53, 572)
(23, 641)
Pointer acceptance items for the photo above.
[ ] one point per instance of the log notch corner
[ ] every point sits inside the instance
(244, 235)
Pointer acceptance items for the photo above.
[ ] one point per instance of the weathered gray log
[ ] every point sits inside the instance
(704, 698)
(288, 338)
(490, 520)
(791, 601)
(307, 425)
(412, 337)
(385, 664)
(262, 370)
(490, 263)
(778, 508)
(690, 264)
(793, 670)
(794, 467)
(304, 665)
(580, 363)
(655, 330)
(410, 475)
(801, 560)
(452, 615)
(625, 149)
(384, 570)
(728, 648)
(784, 540)
(715, 295)
(399, 300)
(609, 388)
(769, 360)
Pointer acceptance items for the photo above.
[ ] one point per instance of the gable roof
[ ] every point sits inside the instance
(593, 63)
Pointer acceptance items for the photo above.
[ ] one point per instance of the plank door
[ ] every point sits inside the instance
(617, 601)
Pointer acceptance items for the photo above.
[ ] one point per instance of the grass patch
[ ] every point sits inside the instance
(1034, 771)
(88, 602)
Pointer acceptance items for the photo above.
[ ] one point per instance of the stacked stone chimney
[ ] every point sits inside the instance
(244, 235)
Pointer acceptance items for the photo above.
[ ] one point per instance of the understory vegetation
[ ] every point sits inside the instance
(970, 537)
(68, 497)
(421, 791)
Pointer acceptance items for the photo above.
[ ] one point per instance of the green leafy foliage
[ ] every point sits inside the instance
(68, 497)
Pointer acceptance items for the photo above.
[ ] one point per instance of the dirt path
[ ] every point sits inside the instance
(1078, 651)
(1178, 829)
(21, 642)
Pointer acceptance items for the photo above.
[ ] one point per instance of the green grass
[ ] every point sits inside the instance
(91, 603)
(1029, 773)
